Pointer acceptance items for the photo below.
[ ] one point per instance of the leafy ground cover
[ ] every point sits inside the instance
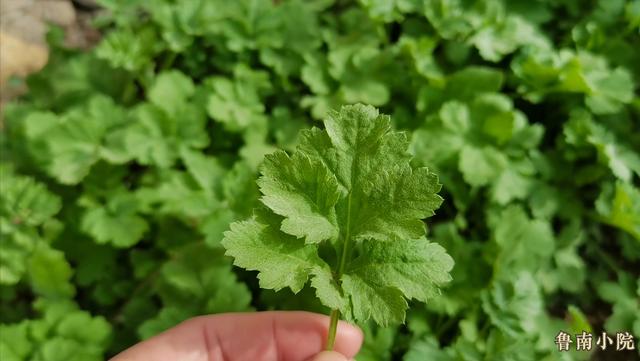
(123, 167)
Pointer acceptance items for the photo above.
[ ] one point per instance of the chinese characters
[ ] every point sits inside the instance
(584, 341)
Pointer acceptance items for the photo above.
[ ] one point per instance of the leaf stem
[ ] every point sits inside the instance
(335, 314)
(333, 327)
(347, 240)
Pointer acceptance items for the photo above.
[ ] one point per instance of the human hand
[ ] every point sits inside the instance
(262, 336)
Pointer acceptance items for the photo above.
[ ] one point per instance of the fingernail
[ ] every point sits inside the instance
(329, 356)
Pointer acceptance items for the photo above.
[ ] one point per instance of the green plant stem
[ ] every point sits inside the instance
(333, 327)
(335, 314)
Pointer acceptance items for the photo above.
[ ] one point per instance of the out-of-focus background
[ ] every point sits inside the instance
(23, 28)
(125, 158)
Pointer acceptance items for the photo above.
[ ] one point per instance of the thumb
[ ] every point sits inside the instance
(329, 356)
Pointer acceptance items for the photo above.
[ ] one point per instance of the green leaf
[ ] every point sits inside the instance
(283, 261)
(73, 142)
(170, 91)
(499, 39)
(510, 185)
(327, 289)
(206, 170)
(197, 274)
(384, 304)
(14, 343)
(403, 266)
(514, 307)
(579, 320)
(606, 90)
(24, 200)
(14, 252)
(524, 243)
(371, 163)
(480, 166)
(164, 320)
(315, 75)
(115, 222)
(620, 207)
(62, 333)
(176, 193)
(50, 273)
(351, 184)
(304, 191)
(452, 19)
(467, 83)
(239, 188)
(614, 150)
(237, 103)
(27, 209)
(130, 50)
(389, 11)
(157, 137)
(623, 296)
(427, 349)
(610, 89)
(378, 343)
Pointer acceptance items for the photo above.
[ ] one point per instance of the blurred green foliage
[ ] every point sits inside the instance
(123, 166)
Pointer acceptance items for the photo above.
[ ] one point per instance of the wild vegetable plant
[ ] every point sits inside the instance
(123, 165)
(345, 211)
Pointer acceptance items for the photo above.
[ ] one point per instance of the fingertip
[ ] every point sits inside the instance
(329, 356)
(349, 339)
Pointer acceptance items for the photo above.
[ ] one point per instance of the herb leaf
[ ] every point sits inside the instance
(352, 186)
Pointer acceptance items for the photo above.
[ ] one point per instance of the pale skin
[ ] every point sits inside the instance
(262, 336)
